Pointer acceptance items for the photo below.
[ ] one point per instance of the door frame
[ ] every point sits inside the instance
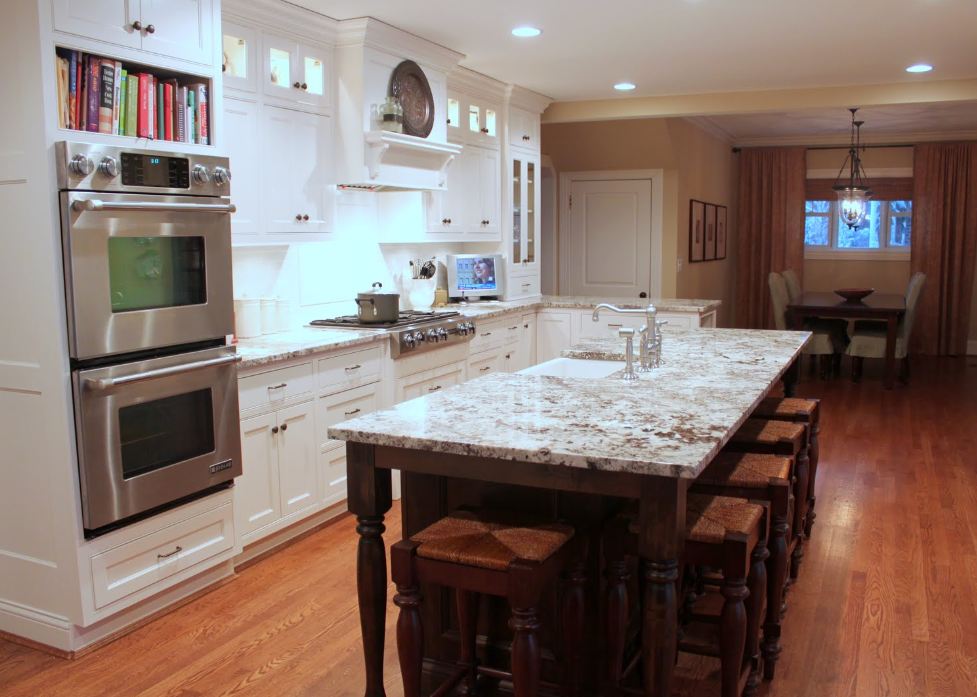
(657, 178)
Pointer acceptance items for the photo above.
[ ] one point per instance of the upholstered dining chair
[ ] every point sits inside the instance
(868, 339)
(793, 284)
(822, 344)
(837, 327)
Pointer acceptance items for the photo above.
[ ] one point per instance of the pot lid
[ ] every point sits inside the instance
(377, 289)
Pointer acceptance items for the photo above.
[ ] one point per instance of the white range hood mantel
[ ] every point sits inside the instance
(367, 51)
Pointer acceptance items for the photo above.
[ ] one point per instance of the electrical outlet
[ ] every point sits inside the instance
(678, 265)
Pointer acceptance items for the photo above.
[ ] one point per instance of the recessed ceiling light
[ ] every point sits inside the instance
(624, 86)
(526, 32)
(919, 68)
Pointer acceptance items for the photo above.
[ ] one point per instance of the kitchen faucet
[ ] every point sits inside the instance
(649, 352)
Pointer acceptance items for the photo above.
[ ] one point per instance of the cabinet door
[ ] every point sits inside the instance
(490, 200)
(450, 213)
(280, 73)
(314, 72)
(517, 198)
(256, 498)
(179, 28)
(531, 214)
(332, 475)
(311, 165)
(482, 123)
(239, 57)
(486, 363)
(430, 381)
(523, 129)
(277, 173)
(242, 144)
(527, 342)
(105, 20)
(297, 457)
(553, 332)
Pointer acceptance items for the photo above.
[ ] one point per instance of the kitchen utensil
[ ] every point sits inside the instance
(377, 306)
(854, 295)
(428, 269)
(409, 84)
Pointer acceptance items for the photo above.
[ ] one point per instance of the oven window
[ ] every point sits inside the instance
(165, 431)
(146, 273)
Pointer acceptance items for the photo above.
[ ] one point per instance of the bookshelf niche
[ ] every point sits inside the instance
(100, 94)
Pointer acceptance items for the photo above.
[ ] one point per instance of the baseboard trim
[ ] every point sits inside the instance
(260, 549)
(972, 347)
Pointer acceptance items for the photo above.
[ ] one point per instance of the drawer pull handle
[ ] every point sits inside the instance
(350, 413)
(525, 326)
(434, 389)
(515, 327)
(614, 326)
(351, 368)
(484, 368)
(486, 333)
(274, 429)
(278, 386)
(284, 427)
(170, 554)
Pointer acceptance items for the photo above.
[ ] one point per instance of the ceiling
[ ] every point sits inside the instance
(895, 122)
(670, 47)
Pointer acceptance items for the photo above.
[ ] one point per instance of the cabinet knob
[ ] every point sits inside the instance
(449, 221)
(284, 427)
(297, 85)
(525, 137)
(150, 29)
(484, 130)
(136, 26)
(298, 216)
(305, 86)
(305, 217)
(274, 429)
(449, 122)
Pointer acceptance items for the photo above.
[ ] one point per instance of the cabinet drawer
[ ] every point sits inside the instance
(135, 565)
(332, 475)
(485, 363)
(523, 286)
(337, 373)
(335, 408)
(275, 387)
(606, 326)
(430, 381)
(513, 330)
(679, 321)
(487, 336)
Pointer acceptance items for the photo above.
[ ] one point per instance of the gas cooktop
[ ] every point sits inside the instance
(413, 331)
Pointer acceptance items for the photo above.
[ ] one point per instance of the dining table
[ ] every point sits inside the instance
(883, 307)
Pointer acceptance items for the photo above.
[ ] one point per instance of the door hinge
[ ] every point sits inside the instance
(571, 201)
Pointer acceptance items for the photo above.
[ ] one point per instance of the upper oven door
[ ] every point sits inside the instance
(144, 272)
(152, 432)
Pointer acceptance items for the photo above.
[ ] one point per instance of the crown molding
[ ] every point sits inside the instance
(282, 16)
(380, 36)
(522, 98)
(844, 140)
(704, 123)
(468, 81)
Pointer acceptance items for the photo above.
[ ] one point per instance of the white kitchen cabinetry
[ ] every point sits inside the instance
(470, 208)
(429, 381)
(241, 129)
(525, 349)
(257, 501)
(296, 154)
(487, 362)
(522, 243)
(523, 129)
(553, 334)
(239, 57)
(296, 458)
(296, 74)
(181, 29)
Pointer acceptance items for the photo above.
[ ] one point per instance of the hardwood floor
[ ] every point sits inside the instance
(886, 603)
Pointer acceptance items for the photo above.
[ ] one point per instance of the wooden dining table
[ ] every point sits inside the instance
(885, 307)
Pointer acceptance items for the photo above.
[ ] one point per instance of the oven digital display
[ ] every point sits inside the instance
(156, 171)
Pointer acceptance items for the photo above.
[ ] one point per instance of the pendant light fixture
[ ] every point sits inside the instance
(853, 195)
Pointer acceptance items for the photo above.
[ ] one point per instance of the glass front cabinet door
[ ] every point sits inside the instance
(525, 200)
(239, 58)
(296, 73)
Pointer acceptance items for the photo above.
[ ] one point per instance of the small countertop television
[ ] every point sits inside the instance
(475, 276)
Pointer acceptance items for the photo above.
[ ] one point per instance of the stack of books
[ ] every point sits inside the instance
(102, 95)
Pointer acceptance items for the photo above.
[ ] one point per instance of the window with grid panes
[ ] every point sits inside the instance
(887, 228)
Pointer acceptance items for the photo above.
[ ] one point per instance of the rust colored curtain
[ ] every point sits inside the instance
(944, 244)
(770, 227)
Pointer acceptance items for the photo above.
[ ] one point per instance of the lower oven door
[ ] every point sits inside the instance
(153, 432)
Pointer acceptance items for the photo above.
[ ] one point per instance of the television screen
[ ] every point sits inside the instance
(476, 273)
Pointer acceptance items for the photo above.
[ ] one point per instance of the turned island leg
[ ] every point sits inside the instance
(368, 489)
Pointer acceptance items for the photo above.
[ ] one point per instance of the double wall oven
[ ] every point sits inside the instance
(146, 240)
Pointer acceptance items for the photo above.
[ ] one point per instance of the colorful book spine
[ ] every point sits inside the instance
(62, 87)
(106, 100)
(191, 116)
(94, 68)
(151, 96)
(181, 114)
(160, 111)
(168, 110)
(132, 104)
(73, 89)
(143, 131)
(79, 90)
(123, 96)
(203, 132)
(116, 95)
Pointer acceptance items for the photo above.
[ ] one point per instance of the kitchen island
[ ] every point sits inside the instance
(564, 447)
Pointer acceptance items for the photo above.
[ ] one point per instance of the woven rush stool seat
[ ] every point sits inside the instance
(476, 551)
(728, 534)
(771, 433)
(767, 478)
(787, 408)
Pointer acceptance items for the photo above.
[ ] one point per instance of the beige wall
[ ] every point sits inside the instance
(695, 165)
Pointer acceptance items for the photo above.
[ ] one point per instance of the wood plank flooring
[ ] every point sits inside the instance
(886, 604)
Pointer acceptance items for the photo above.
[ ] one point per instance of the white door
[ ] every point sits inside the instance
(178, 28)
(489, 179)
(311, 163)
(106, 20)
(553, 334)
(256, 499)
(609, 251)
(297, 457)
(277, 174)
(313, 67)
(242, 144)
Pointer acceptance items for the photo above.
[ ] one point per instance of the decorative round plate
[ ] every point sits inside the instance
(409, 84)
(854, 295)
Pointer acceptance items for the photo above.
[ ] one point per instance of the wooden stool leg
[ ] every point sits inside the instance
(814, 454)
(732, 632)
(525, 651)
(410, 632)
(467, 605)
(802, 472)
(776, 578)
(617, 604)
(756, 584)
(574, 620)
(857, 362)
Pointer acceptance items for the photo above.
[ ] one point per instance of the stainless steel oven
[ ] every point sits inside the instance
(155, 431)
(146, 238)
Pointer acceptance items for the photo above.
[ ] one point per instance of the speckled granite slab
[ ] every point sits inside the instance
(489, 309)
(671, 422)
(270, 348)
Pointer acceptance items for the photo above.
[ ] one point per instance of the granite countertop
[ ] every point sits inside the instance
(489, 309)
(671, 422)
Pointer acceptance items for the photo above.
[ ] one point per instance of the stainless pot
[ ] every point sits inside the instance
(377, 306)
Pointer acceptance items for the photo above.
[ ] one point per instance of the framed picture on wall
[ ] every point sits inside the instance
(710, 250)
(697, 230)
(721, 232)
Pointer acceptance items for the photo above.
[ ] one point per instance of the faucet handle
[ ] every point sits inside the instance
(626, 332)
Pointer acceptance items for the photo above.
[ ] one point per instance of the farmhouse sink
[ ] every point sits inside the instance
(575, 368)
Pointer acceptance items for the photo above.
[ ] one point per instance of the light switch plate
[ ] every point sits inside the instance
(678, 264)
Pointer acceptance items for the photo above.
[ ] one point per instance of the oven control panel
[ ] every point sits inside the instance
(159, 171)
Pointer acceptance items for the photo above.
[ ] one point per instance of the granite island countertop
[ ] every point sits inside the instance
(670, 422)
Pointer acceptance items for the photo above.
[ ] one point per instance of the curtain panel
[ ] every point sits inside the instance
(944, 244)
(770, 227)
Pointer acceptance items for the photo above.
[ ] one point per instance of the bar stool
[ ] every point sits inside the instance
(475, 551)
(728, 534)
(759, 478)
(789, 439)
(807, 412)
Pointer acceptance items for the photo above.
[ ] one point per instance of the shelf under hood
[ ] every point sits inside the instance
(398, 162)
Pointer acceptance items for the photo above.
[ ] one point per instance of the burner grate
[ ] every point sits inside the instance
(407, 317)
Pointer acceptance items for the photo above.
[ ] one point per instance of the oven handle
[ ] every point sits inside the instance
(94, 204)
(102, 384)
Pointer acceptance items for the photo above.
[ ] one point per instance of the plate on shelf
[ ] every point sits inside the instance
(409, 84)
(854, 295)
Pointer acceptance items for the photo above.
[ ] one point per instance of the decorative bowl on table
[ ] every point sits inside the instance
(854, 295)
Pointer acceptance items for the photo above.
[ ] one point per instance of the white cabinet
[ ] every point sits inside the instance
(523, 129)
(487, 362)
(524, 205)
(297, 457)
(553, 334)
(429, 381)
(239, 57)
(180, 29)
(470, 208)
(257, 502)
(525, 353)
(295, 165)
(296, 74)
(473, 120)
(241, 138)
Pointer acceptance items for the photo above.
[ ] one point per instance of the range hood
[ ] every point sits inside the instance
(368, 159)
